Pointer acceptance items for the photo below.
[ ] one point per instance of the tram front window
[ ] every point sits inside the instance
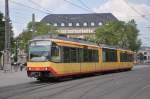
(39, 50)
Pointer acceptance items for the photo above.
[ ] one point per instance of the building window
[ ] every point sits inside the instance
(92, 23)
(145, 57)
(69, 24)
(62, 24)
(77, 24)
(145, 53)
(148, 57)
(55, 24)
(100, 23)
(85, 24)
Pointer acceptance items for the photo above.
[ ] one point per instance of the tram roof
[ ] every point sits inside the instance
(76, 40)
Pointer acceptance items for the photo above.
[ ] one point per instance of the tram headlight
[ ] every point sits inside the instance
(29, 68)
(46, 68)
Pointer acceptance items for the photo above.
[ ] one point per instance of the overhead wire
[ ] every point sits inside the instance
(145, 38)
(78, 6)
(20, 15)
(12, 9)
(38, 5)
(87, 7)
(20, 4)
(142, 16)
(17, 22)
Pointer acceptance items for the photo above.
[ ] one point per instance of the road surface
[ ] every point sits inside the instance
(133, 84)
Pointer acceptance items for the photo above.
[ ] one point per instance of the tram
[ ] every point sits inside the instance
(55, 57)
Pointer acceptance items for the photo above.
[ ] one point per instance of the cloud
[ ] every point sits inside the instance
(15, 10)
(125, 10)
(119, 8)
(2, 5)
(17, 31)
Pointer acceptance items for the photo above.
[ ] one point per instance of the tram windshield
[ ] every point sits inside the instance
(39, 50)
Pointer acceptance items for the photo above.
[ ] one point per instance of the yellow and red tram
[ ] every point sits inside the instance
(59, 57)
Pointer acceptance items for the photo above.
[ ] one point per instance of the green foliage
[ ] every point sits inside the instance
(119, 33)
(40, 29)
(2, 32)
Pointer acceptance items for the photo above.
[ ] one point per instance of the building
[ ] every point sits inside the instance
(144, 55)
(78, 25)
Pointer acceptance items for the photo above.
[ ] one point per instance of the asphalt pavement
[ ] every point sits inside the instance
(133, 84)
(10, 78)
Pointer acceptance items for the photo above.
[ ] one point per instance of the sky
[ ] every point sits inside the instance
(125, 10)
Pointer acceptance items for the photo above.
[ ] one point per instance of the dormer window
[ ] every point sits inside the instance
(55, 24)
(85, 24)
(69, 24)
(77, 24)
(92, 23)
(62, 24)
(100, 23)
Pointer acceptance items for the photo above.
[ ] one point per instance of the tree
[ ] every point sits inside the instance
(119, 33)
(40, 29)
(2, 32)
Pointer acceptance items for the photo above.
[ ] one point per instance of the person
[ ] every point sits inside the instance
(21, 67)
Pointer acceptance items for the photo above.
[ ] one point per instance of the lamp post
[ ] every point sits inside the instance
(7, 50)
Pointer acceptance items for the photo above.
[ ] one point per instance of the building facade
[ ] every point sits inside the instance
(144, 55)
(78, 25)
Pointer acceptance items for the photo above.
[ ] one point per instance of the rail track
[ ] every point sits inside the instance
(124, 85)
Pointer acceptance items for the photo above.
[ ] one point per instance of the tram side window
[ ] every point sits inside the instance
(66, 54)
(75, 55)
(126, 57)
(90, 55)
(80, 55)
(87, 55)
(70, 55)
(55, 54)
(130, 57)
(109, 55)
(95, 56)
(123, 57)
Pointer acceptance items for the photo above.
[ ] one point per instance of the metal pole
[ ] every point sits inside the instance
(16, 68)
(7, 49)
(33, 25)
